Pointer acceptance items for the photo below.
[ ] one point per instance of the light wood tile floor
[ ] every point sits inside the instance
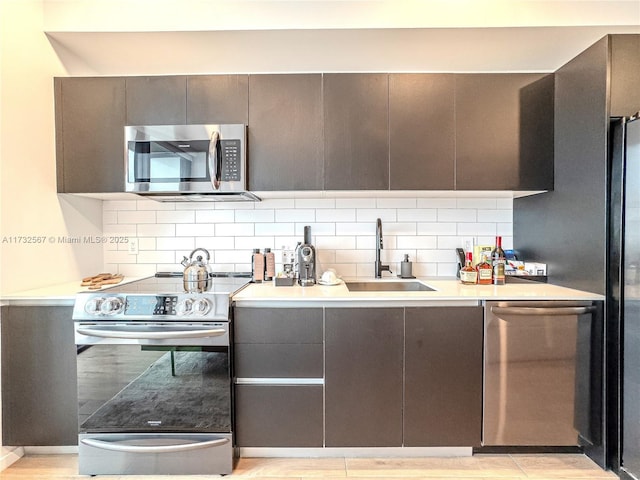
(478, 467)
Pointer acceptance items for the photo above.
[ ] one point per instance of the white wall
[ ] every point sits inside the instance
(29, 205)
(343, 231)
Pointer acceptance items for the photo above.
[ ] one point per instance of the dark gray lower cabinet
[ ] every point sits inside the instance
(443, 376)
(39, 392)
(276, 352)
(363, 377)
(279, 416)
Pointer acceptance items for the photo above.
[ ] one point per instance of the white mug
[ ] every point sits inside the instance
(329, 277)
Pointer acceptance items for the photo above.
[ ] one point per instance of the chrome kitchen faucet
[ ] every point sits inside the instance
(379, 266)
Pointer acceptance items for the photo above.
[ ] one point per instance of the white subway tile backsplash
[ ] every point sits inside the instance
(497, 215)
(176, 216)
(318, 203)
(137, 216)
(294, 215)
(255, 216)
(355, 203)
(396, 203)
(148, 230)
(372, 214)
(196, 230)
(470, 229)
(176, 243)
(275, 229)
(457, 215)
(214, 216)
(437, 228)
(275, 203)
(417, 215)
(416, 242)
(234, 229)
(336, 215)
(343, 231)
(157, 256)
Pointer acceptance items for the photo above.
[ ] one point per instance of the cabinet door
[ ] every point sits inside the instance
(276, 352)
(356, 131)
(214, 99)
(285, 132)
(421, 132)
(278, 416)
(363, 377)
(156, 100)
(39, 392)
(443, 376)
(90, 119)
(504, 132)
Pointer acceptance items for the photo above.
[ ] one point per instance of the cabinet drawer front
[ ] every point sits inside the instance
(279, 416)
(278, 361)
(277, 325)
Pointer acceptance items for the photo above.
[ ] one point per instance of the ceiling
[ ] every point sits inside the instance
(142, 37)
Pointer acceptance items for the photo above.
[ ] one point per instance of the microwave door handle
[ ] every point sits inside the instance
(215, 160)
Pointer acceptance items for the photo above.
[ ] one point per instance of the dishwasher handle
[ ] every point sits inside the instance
(542, 311)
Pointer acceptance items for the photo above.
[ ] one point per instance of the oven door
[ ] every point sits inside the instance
(154, 394)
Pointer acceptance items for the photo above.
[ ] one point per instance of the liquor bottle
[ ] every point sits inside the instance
(484, 271)
(468, 274)
(498, 262)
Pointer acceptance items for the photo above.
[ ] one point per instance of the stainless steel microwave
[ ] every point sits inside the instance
(187, 162)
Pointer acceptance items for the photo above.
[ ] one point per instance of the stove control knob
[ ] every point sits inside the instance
(184, 307)
(92, 307)
(111, 306)
(201, 306)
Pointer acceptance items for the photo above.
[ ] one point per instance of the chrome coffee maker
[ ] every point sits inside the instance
(306, 260)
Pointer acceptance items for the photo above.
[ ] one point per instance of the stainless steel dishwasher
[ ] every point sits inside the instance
(530, 381)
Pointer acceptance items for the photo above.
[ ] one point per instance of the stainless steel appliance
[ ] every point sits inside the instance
(154, 384)
(623, 295)
(307, 260)
(531, 378)
(187, 162)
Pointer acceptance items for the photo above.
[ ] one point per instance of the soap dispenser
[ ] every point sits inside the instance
(405, 267)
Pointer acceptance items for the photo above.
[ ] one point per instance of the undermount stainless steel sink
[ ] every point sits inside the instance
(388, 287)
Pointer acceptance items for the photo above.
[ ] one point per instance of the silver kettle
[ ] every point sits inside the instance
(196, 278)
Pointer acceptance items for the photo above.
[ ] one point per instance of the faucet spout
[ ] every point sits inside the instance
(379, 267)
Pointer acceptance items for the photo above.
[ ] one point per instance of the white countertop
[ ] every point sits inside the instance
(57, 294)
(447, 291)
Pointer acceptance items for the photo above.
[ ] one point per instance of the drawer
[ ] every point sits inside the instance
(279, 416)
(278, 360)
(277, 325)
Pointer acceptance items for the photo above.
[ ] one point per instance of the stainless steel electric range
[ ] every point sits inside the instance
(154, 378)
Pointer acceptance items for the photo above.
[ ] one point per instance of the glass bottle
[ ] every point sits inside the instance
(484, 271)
(498, 262)
(468, 274)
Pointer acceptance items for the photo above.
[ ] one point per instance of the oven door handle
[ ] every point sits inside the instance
(181, 447)
(116, 333)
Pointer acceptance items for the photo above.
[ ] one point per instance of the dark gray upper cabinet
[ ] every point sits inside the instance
(356, 140)
(625, 75)
(285, 132)
(504, 131)
(214, 99)
(363, 377)
(443, 376)
(90, 119)
(156, 100)
(421, 131)
(39, 392)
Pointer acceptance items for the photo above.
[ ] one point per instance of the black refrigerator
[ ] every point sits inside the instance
(623, 296)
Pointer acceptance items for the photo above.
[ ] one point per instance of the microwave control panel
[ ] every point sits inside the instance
(231, 158)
